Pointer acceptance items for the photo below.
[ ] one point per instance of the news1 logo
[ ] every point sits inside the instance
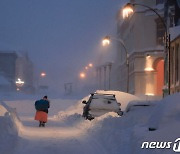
(162, 145)
(176, 146)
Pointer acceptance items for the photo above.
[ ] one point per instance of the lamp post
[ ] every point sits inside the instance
(129, 9)
(106, 41)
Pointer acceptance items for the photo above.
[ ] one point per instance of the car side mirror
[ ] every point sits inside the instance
(84, 102)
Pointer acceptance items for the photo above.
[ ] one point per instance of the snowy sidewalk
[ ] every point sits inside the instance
(54, 139)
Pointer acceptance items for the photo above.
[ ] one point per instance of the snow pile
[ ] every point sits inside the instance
(25, 107)
(140, 103)
(77, 108)
(69, 132)
(167, 111)
(74, 109)
(9, 127)
(165, 118)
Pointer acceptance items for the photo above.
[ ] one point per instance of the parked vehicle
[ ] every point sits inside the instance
(99, 104)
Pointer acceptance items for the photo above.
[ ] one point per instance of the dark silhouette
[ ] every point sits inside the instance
(42, 107)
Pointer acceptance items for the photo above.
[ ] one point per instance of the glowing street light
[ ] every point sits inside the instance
(106, 41)
(127, 10)
(43, 74)
(90, 65)
(86, 68)
(82, 75)
(19, 82)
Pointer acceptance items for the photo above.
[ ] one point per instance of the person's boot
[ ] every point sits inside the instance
(43, 124)
(40, 123)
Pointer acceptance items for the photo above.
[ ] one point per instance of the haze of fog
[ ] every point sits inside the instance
(60, 36)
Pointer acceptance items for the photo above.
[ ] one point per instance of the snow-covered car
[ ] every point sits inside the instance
(99, 104)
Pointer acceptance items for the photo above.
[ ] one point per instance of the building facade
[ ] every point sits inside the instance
(8, 69)
(14, 67)
(142, 34)
(24, 71)
(172, 13)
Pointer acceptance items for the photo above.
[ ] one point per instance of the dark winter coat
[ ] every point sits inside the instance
(42, 105)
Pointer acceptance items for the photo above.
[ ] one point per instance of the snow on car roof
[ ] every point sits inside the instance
(106, 96)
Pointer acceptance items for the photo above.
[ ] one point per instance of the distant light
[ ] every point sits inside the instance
(19, 82)
(17, 89)
(106, 41)
(43, 74)
(127, 10)
(148, 69)
(86, 68)
(90, 65)
(82, 75)
(149, 62)
(149, 94)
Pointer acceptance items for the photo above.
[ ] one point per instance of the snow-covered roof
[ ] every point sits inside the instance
(175, 32)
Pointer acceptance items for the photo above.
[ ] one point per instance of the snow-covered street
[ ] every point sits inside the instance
(57, 137)
(67, 132)
(64, 133)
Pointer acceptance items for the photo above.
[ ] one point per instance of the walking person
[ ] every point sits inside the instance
(42, 107)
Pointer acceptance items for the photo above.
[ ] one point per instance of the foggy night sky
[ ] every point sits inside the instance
(60, 36)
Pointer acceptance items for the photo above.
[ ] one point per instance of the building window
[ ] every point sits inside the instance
(159, 2)
(160, 31)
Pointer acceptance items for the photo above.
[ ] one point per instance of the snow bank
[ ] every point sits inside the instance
(140, 103)
(165, 119)
(25, 107)
(108, 133)
(77, 108)
(167, 111)
(9, 127)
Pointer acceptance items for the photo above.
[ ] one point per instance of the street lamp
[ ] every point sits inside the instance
(129, 9)
(107, 39)
(82, 75)
(19, 83)
(90, 65)
(43, 74)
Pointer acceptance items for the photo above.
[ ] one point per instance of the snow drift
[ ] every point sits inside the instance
(9, 128)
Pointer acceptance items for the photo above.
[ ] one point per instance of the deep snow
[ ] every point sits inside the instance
(67, 132)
